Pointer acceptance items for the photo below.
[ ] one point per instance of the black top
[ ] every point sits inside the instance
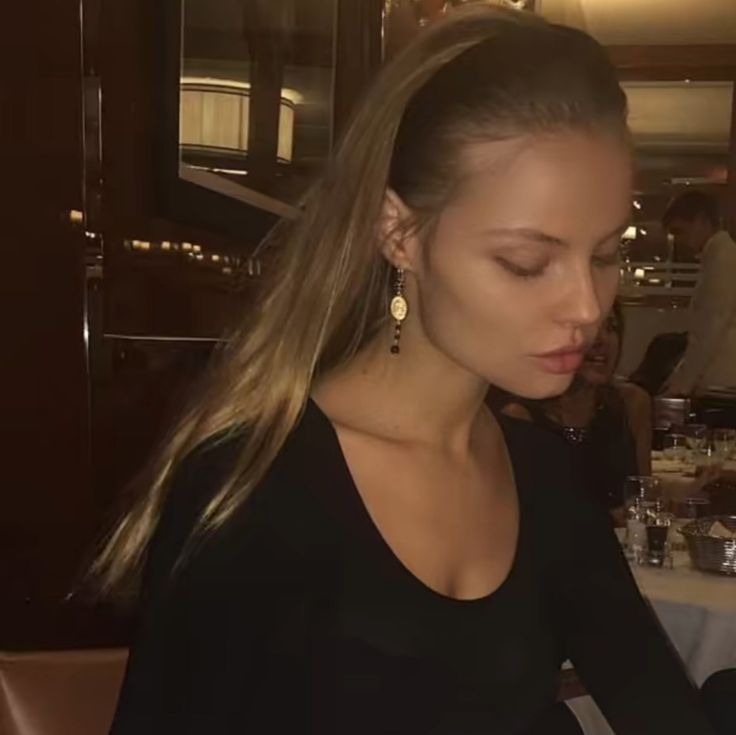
(296, 617)
(603, 453)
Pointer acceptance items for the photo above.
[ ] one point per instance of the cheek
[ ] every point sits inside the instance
(462, 305)
(469, 310)
(606, 287)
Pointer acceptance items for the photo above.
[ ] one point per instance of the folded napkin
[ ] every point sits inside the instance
(718, 530)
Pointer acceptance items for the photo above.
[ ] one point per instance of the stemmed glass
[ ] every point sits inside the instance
(645, 487)
(641, 495)
(675, 447)
(697, 435)
(724, 441)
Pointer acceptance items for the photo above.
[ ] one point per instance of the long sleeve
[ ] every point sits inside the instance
(713, 309)
(621, 654)
(220, 636)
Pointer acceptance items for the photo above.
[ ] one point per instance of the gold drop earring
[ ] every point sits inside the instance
(399, 309)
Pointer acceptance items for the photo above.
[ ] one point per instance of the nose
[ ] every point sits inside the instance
(580, 305)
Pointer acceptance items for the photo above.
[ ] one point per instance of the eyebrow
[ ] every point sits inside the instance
(529, 233)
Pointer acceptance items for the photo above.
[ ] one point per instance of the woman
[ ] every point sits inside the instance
(607, 424)
(341, 538)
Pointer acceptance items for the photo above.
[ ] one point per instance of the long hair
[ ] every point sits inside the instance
(482, 74)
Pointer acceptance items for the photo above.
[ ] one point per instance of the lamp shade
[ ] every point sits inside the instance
(214, 116)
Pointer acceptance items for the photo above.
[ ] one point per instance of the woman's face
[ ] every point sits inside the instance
(600, 360)
(523, 262)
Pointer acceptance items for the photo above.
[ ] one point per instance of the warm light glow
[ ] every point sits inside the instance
(630, 233)
(214, 115)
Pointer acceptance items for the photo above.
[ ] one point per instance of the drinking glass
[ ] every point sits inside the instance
(690, 509)
(724, 441)
(709, 458)
(646, 487)
(675, 447)
(641, 495)
(696, 436)
(659, 553)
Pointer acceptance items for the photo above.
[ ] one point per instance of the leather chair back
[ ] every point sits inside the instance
(60, 692)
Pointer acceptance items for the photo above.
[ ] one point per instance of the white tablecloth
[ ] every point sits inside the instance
(698, 612)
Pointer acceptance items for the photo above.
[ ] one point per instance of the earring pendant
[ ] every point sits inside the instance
(399, 309)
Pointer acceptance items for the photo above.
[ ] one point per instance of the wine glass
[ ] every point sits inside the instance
(696, 436)
(675, 447)
(643, 490)
(641, 493)
(724, 441)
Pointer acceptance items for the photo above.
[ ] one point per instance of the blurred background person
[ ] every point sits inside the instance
(662, 355)
(692, 219)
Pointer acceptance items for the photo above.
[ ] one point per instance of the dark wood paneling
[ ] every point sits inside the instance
(47, 507)
(358, 54)
(78, 423)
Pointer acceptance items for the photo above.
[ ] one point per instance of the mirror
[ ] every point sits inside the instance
(256, 97)
(682, 132)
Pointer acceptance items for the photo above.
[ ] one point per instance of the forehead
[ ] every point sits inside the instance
(562, 182)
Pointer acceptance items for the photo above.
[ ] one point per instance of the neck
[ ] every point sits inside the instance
(419, 395)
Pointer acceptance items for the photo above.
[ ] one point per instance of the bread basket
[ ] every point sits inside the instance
(707, 553)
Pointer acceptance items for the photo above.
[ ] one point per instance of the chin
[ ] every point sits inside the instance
(538, 387)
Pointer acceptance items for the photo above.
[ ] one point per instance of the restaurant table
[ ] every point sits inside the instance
(698, 613)
(678, 478)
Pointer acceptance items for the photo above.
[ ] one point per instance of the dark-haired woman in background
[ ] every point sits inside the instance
(606, 423)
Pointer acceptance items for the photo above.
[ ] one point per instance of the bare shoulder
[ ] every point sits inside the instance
(634, 397)
(517, 411)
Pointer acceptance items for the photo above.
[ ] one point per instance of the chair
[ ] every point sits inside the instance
(60, 692)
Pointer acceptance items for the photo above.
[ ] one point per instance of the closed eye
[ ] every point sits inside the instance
(522, 271)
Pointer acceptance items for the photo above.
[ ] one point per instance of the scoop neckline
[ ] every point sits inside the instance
(386, 549)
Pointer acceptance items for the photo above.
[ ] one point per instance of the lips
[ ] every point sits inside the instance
(562, 362)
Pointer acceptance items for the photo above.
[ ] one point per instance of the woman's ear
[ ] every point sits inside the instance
(398, 243)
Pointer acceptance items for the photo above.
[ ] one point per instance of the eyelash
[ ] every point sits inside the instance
(601, 261)
(519, 272)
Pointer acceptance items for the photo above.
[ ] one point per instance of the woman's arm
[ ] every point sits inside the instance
(614, 640)
(220, 641)
(517, 411)
(638, 407)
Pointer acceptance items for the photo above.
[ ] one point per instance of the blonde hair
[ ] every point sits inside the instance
(480, 75)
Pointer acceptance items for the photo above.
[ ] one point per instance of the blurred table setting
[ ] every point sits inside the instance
(681, 545)
(697, 610)
(692, 457)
